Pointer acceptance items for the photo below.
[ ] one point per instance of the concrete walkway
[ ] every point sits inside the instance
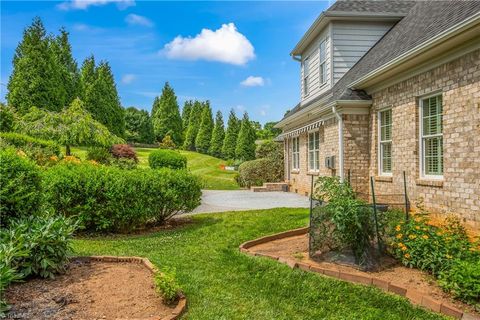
(239, 200)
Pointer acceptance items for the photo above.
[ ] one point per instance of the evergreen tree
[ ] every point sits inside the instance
(217, 137)
(193, 126)
(230, 141)
(138, 126)
(68, 66)
(245, 149)
(186, 111)
(202, 141)
(36, 76)
(88, 92)
(166, 117)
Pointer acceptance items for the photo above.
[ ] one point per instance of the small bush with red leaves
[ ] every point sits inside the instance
(123, 151)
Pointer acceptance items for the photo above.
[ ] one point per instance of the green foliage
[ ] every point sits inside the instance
(125, 163)
(167, 285)
(20, 186)
(256, 172)
(167, 143)
(186, 113)
(99, 154)
(139, 126)
(123, 151)
(218, 136)
(462, 280)
(271, 150)
(193, 126)
(344, 222)
(41, 151)
(36, 79)
(166, 117)
(7, 118)
(231, 135)
(202, 141)
(111, 199)
(72, 127)
(268, 131)
(245, 148)
(167, 159)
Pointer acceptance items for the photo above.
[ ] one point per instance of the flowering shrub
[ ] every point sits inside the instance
(40, 151)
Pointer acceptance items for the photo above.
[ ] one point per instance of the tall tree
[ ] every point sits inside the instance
(36, 76)
(230, 141)
(138, 126)
(186, 111)
(166, 117)
(245, 149)
(204, 136)
(217, 136)
(193, 126)
(68, 66)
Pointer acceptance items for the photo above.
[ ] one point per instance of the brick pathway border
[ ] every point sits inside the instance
(411, 294)
(182, 301)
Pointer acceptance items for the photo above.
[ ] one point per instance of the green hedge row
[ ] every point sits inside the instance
(41, 151)
(164, 158)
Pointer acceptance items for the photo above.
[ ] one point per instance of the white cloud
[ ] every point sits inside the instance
(135, 19)
(252, 81)
(84, 4)
(128, 78)
(225, 45)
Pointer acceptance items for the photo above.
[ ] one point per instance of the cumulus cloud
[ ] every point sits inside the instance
(84, 4)
(128, 78)
(134, 19)
(252, 81)
(224, 45)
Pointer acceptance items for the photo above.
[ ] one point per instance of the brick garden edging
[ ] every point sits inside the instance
(413, 295)
(182, 301)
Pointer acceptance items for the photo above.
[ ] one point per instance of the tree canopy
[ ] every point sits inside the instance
(217, 136)
(138, 126)
(193, 126)
(245, 148)
(204, 136)
(166, 117)
(230, 141)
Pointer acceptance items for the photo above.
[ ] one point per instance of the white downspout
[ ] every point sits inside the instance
(340, 142)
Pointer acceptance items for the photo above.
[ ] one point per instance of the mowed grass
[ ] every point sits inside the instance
(222, 283)
(204, 166)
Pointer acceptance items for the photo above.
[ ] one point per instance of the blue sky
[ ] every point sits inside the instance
(240, 60)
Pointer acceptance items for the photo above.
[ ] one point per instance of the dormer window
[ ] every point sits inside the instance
(323, 61)
(306, 71)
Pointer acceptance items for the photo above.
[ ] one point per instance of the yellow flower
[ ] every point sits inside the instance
(407, 256)
(449, 256)
(53, 158)
(417, 227)
(399, 236)
(425, 237)
(21, 153)
(401, 244)
(404, 248)
(398, 228)
(412, 236)
(417, 219)
(95, 163)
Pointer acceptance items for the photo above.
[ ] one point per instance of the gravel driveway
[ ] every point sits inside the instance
(239, 200)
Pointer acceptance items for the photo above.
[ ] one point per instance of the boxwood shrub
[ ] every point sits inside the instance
(41, 151)
(164, 158)
(20, 185)
(112, 199)
(256, 172)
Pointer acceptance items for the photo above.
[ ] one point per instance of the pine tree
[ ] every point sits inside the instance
(138, 126)
(88, 92)
(193, 126)
(166, 117)
(245, 149)
(186, 110)
(230, 141)
(202, 141)
(217, 137)
(36, 76)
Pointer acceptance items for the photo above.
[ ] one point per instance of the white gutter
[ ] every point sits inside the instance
(340, 142)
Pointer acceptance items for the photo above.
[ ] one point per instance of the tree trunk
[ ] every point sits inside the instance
(67, 150)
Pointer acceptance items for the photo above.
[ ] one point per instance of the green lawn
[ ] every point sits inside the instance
(222, 283)
(204, 166)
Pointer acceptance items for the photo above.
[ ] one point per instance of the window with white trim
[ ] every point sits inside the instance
(323, 61)
(385, 141)
(306, 71)
(431, 130)
(295, 153)
(313, 151)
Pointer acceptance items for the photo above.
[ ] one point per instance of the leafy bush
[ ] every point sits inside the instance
(7, 118)
(110, 199)
(99, 154)
(20, 186)
(256, 172)
(167, 159)
(41, 151)
(166, 284)
(8, 273)
(463, 280)
(270, 149)
(123, 151)
(167, 143)
(124, 163)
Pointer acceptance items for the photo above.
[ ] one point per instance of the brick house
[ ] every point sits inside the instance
(388, 87)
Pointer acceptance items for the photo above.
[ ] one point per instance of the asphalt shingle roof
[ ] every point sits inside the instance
(372, 6)
(424, 20)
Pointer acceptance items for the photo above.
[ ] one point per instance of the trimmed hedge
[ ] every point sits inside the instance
(112, 199)
(20, 185)
(41, 151)
(167, 159)
(257, 172)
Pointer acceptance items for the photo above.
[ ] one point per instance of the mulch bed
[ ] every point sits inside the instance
(89, 290)
(296, 248)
